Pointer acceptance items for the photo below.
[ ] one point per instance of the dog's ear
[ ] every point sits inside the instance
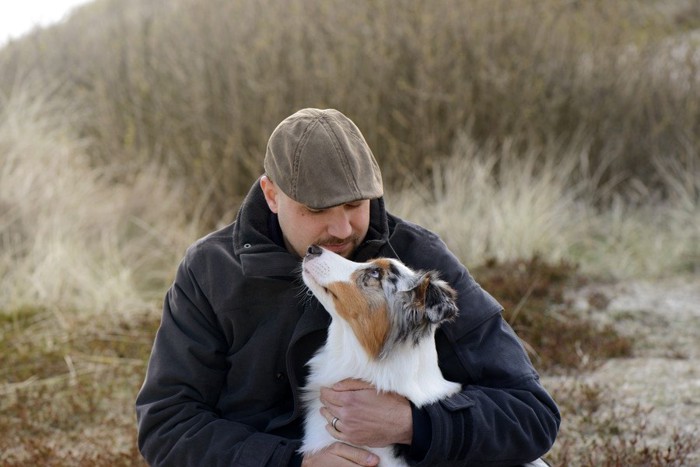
(418, 309)
(435, 297)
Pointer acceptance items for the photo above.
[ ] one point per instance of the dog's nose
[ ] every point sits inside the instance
(314, 250)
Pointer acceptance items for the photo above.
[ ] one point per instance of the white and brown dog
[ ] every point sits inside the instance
(384, 317)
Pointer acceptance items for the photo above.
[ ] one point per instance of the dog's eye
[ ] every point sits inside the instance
(374, 273)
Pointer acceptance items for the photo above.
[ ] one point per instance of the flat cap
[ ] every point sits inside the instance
(319, 158)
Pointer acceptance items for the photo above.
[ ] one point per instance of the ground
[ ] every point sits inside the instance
(656, 392)
(67, 384)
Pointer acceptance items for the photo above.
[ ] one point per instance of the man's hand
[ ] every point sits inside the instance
(341, 455)
(366, 417)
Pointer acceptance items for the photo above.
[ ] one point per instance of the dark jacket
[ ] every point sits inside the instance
(222, 386)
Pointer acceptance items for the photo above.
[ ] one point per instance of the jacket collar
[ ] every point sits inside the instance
(260, 255)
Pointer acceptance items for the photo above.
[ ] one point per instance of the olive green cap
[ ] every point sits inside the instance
(319, 158)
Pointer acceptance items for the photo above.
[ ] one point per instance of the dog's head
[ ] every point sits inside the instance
(384, 302)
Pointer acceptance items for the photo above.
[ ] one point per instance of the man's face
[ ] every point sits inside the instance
(339, 229)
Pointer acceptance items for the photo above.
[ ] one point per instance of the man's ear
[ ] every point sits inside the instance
(269, 189)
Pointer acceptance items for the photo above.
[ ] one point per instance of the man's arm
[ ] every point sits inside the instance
(176, 407)
(502, 416)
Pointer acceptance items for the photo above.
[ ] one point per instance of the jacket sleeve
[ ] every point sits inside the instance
(503, 415)
(176, 411)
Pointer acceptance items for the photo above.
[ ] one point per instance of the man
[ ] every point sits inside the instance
(223, 381)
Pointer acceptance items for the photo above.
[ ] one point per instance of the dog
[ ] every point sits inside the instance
(383, 321)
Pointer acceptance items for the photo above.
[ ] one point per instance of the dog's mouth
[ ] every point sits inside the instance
(314, 285)
(329, 292)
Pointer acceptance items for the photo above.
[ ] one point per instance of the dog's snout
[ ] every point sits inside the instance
(314, 250)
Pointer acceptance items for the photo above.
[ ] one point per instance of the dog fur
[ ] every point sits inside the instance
(384, 317)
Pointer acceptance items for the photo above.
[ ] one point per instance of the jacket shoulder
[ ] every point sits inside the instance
(213, 243)
(420, 248)
(210, 262)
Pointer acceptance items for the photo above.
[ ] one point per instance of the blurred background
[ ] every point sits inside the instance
(548, 139)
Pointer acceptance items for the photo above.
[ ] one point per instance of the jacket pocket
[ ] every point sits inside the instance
(457, 402)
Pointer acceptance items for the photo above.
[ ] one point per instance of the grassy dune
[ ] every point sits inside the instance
(197, 87)
(489, 204)
(71, 238)
(546, 141)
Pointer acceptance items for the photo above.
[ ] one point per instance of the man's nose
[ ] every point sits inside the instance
(339, 224)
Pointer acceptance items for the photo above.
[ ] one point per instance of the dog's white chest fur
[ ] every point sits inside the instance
(384, 318)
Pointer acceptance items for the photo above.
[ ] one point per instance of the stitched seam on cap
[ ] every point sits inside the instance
(303, 139)
(349, 176)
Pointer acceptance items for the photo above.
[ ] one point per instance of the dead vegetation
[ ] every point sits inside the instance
(69, 384)
(560, 131)
(600, 427)
(559, 339)
(68, 388)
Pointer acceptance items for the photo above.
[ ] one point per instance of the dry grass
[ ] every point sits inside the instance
(559, 340)
(601, 431)
(67, 387)
(81, 260)
(597, 427)
(543, 139)
(70, 238)
(70, 382)
(197, 86)
(488, 204)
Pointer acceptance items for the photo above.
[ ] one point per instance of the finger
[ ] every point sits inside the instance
(335, 400)
(352, 385)
(341, 455)
(328, 415)
(331, 399)
(336, 396)
(355, 455)
(333, 429)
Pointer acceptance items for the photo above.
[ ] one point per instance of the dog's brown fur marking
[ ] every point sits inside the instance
(368, 318)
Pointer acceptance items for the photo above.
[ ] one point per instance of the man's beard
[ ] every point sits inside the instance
(353, 240)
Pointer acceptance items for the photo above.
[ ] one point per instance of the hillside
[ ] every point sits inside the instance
(553, 144)
(196, 86)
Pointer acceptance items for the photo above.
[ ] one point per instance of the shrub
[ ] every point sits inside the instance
(198, 86)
